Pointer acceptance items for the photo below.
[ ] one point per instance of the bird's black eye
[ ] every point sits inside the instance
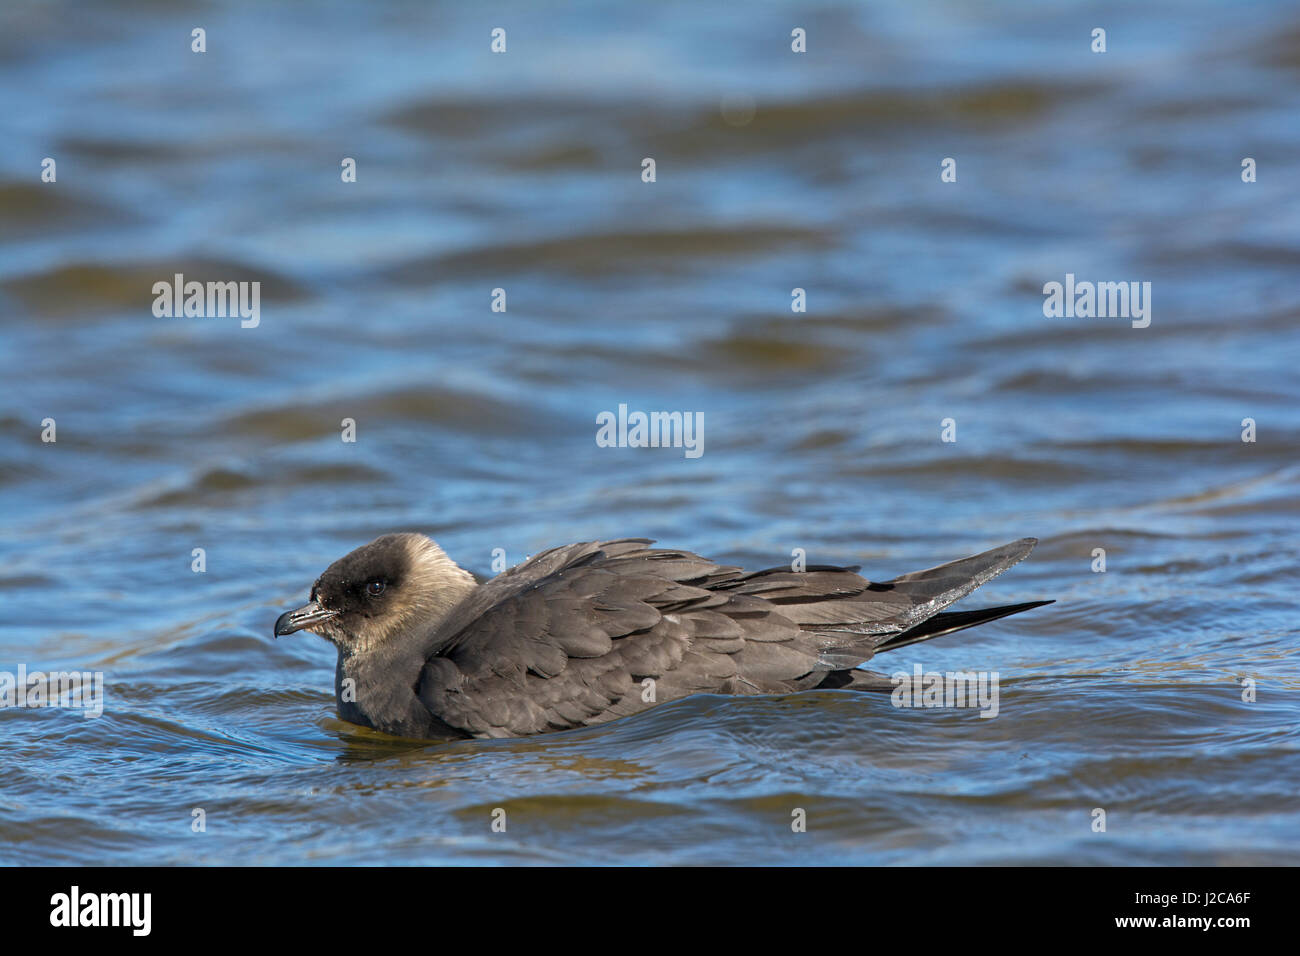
(376, 587)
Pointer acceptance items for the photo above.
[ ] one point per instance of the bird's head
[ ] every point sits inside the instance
(396, 585)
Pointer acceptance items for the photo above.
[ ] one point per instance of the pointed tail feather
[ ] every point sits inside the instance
(952, 581)
(950, 621)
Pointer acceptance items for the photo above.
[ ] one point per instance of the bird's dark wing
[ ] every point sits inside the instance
(570, 637)
(588, 632)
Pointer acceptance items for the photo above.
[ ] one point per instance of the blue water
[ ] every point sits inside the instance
(522, 171)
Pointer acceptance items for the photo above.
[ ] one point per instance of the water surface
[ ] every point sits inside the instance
(822, 430)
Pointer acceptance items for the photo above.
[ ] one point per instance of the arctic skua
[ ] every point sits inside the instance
(589, 632)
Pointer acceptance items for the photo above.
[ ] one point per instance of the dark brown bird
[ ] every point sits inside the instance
(585, 633)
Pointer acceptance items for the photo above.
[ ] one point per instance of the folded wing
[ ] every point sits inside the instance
(592, 631)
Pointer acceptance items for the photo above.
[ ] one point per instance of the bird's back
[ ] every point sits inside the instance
(592, 631)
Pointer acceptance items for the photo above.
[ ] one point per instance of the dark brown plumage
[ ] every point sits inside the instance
(589, 632)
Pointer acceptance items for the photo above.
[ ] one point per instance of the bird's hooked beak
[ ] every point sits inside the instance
(301, 618)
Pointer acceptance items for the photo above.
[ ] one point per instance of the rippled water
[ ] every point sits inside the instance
(522, 171)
